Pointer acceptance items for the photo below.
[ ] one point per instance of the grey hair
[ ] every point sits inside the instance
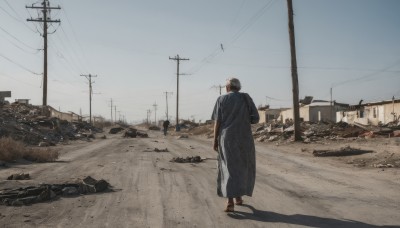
(233, 83)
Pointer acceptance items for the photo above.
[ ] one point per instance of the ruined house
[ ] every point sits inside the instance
(373, 113)
(70, 116)
(315, 111)
(268, 115)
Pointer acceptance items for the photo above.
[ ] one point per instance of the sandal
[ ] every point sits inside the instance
(239, 201)
(230, 207)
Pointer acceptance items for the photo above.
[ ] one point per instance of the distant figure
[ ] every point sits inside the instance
(166, 125)
(233, 114)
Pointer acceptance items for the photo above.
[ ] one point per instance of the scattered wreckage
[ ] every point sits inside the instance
(46, 192)
(317, 131)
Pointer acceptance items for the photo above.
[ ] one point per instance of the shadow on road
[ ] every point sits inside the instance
(296, 219)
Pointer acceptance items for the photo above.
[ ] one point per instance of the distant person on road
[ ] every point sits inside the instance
(166, 125)
(233, 114)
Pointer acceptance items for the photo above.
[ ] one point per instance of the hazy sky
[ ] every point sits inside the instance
(352, 46)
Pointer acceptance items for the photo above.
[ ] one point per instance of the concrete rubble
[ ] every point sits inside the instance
(29, 124)
(46, 192)
(312, 132)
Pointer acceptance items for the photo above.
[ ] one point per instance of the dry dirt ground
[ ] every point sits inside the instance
(293, 188)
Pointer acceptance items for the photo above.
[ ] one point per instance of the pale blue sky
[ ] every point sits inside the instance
(350, 45)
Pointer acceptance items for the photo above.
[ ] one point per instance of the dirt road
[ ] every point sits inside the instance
(292, 190)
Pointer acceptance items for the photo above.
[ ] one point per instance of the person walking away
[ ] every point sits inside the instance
(234, 112)
(166, 125)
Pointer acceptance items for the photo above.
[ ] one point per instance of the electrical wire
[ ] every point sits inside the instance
(74, 35)
(24, 50)
(241, 31)
(366, 76)
(15, 38)
(21, 66)
(18, 18)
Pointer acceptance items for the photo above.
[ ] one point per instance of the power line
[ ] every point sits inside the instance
(75, 36)
(15, 38)
(240, 32)
(18, 18)
(368, 75)
(21, 66)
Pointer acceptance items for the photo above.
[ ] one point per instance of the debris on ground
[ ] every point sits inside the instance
(156, 150)
(19, 176)
(154, 128)
(142, 134)
(115, 130)
(183, 136)
(384, 166)
(46, 192)
(32, 125)
(345, 151)
(194, 159)
(130, 133)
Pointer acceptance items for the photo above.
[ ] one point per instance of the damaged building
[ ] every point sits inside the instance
(373, 113)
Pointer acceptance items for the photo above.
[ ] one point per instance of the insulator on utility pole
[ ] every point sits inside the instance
(177, 59)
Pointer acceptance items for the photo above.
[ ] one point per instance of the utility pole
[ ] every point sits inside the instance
(45, 19)
(219, 87)
(115, 113)
(331, 107)
(155, 113)
(177, 59)
(166, 100)
(111, 111)
(295, 82)
(89, 78)
(148, 115)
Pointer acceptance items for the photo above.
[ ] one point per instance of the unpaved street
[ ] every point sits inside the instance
(292, 190)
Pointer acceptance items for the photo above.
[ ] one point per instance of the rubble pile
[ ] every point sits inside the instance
(29, 124)
(46, 192)
(194, 159)
(317, 131)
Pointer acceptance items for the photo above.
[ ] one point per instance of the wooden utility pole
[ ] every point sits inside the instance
(111, 111)
(177, 59)
(295, 82)
(220, 88)
(155, 113)
(115, 113)
(45, 19)
(89, 78)
(166, 100)
(148, 115)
